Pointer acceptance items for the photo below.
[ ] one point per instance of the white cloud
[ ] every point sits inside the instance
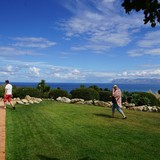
(142, 52)
(103, 25)
(11, 51)
(76, 72)
(66, 73)
(147, 45)
(34, 71)
(33, 42)
(151, 73)
(150, 40)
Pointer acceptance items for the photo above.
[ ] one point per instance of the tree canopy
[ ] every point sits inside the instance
(150, 8)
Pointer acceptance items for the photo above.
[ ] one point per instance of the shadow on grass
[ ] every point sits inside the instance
(41, 157)
(103, 115)
(86, 158)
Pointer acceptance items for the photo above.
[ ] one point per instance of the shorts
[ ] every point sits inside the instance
(7, 98)
(116, 106)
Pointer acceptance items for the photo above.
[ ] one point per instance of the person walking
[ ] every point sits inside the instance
(8, 94)
(117, 101)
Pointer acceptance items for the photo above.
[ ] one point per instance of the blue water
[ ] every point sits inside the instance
(70, 86)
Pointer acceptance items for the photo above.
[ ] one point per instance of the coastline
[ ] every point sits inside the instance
(70, 86)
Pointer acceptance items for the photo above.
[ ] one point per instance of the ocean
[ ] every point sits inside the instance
(70, 86)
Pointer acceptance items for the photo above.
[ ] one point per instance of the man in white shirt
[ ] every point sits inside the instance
(8, 94)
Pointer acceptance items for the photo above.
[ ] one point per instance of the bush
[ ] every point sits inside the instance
(55, 93)
(21, 92)
(85, 93)
(105, 96)
(126, 96)
(2, 90)
(144, 98)
(95, 87)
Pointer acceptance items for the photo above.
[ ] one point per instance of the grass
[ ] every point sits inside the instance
(58, 131)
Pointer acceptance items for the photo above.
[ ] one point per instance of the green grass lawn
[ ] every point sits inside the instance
(58, 131)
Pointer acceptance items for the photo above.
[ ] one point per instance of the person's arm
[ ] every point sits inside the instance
(5, 91)
(117, 93)
(113, 92)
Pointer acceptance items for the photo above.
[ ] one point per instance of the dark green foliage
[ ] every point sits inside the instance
(126, 96)
(2, 90)
(43, 88)
(21, 92)
(55, 93)
(144, 98)
(158, 91)
(106, 89)
(137, 99)
(95, 87)
(85, 93)
(105, 96)
(150, 8)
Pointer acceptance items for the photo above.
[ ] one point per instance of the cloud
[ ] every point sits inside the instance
(101, 25)
(66, 73)
(11, 51)
(34, 71)
(150, 40)
(147, 45)
(151, 73)
(32, 42)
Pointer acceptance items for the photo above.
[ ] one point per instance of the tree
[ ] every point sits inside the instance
(150, 8)
(43, 87)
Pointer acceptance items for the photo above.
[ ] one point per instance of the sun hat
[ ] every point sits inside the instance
(115, 86)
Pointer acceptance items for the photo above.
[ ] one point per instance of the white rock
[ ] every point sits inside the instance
(24, 100)
(19, 102)
(76, 100)
(28, 97)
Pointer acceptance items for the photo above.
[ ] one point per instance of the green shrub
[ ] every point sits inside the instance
(95, 87)
(144, 98)
(105, 96)
(2, 90)
(126, 96)
(85, 93)
(55, 93)
(21, 92)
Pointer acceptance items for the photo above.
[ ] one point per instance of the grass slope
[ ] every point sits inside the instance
(58, 131)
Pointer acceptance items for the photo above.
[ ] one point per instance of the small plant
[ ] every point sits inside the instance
(55, 93)
(85, 93)
(21, 92)
(105, 96)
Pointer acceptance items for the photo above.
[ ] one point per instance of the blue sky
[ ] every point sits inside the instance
(75, 41)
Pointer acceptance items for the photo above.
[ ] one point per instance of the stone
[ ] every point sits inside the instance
(24, 100)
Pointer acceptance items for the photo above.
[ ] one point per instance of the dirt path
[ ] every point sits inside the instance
(2, 131)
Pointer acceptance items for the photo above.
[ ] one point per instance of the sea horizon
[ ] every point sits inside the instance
(68, 86)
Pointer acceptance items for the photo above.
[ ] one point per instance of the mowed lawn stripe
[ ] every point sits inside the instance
(58, 131)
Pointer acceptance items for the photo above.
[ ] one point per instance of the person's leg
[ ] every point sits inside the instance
(120, 111)
(10, 101)
(113, 110)
(4, 104)
(5, 101)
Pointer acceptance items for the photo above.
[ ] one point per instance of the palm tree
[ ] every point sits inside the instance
(43, 87)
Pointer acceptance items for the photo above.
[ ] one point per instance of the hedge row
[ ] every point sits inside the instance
(90, 93)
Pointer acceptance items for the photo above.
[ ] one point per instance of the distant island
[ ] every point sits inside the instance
(137, 81)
